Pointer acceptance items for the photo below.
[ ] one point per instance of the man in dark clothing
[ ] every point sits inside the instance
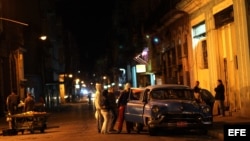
(90, 97)
(29, 103)
(12, 103)
(113, 109)
(197, 91)
(219, 99)
(197, 87)
(105, 108)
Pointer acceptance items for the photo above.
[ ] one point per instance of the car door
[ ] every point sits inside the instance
(135, 109)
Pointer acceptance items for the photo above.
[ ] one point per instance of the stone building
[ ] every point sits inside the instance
(205, 40)
(28, 63)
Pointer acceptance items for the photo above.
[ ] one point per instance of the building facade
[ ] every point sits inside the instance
(206, 41)
(29, 64)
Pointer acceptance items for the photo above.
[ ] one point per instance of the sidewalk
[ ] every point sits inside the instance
(217, 130)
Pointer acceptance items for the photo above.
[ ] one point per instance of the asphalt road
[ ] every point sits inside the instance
(76, 122)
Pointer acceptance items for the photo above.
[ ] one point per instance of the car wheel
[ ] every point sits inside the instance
(139, 127)
(129, 126)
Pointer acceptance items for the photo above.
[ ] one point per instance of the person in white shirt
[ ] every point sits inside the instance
(98, 116)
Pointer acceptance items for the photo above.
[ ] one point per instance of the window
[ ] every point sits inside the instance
(164, 94)
(224, 17)
(199, 31)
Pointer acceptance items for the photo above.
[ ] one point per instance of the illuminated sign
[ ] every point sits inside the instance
(140, 68)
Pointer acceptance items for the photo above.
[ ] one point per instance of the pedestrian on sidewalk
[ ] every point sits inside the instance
(219, 99)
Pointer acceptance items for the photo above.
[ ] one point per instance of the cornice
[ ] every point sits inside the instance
(189, 6)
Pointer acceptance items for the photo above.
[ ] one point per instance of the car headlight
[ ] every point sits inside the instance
(206, 110)
(155, 109)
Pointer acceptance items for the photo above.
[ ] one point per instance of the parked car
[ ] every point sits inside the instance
(169, 106)
(208, 98)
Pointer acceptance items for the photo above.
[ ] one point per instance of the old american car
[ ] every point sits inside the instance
(169, 106)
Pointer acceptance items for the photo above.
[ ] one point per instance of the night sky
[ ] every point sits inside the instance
(90, 22)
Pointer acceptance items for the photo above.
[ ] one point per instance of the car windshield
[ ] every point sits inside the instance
(164, 94)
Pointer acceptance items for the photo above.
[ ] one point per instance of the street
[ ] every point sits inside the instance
(76, 122)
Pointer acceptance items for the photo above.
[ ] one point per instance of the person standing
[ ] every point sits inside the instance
(197, 86)
(113, 109)
(122, 102)
(99, 118)
(42, 104)
(197, 92)
(90, 97)
(219, 98)
(104, 106)
(12, 103)
(29, 103)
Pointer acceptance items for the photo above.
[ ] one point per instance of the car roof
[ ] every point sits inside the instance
(176, 86)
(139, 89)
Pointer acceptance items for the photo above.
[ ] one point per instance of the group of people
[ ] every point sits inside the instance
(218, 107)
(107, 111)
(15, 105)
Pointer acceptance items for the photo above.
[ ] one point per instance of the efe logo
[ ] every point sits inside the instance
(237, 131)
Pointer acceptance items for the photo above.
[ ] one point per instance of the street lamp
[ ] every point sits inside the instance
(43, 37)
(70, 75)
(104, 81)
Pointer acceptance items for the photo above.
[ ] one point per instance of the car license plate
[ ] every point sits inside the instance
(181, 124)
